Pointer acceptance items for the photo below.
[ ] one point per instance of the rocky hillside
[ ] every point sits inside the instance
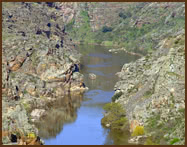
(152, 91)
(39, 65)
(135, 26)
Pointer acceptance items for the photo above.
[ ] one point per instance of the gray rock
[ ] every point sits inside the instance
(92, 76)
(78, 76)
(37, 113)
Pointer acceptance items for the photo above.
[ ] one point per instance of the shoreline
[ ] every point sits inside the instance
(120, 48)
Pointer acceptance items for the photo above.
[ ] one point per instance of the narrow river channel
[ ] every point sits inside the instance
(76, 120)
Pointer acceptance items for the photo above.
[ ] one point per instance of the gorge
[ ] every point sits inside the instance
(135, 50)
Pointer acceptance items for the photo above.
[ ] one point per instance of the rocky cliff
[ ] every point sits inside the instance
(39, 65)
(153, 92)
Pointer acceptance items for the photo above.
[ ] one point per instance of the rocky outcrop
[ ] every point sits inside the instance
(39, 61)
(153, 91)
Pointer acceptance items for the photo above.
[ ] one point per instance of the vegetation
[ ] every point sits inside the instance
(161, 128)
(26, 106)
(149, 142)
(124, 33)
(148, 93)
(174, 141)
(31, 135)
(115, 116)
(125, 15)
(139, 130)
(108, 43)
(116, 96)
(106, 29)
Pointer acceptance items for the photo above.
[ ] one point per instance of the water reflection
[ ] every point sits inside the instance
(63, 111)
(117, 138)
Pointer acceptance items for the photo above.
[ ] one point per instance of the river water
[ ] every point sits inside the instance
(76, 120)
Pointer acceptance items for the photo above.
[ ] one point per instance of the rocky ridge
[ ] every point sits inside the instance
(153, 92)
(39, 65)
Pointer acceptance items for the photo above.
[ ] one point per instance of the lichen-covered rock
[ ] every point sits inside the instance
(37, 113)
(78, 76)
(154, 92)
(15, 120)
(36, 61)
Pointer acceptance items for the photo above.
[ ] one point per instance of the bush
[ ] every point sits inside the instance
(106, 29)
(115, 116)
(139, 130)
(174, 141)
(122, 15)
(108, 43)
(120, 124)
(115, 108)
(116, 96)
(149, 142)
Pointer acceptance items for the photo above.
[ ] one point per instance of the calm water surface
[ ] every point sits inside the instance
(76, 120)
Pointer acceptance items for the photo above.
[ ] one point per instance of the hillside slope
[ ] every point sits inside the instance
(135, 26)
(153, 91)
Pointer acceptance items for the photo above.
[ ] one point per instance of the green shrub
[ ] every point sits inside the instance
(106, 29)
(149, 142)
(148, 93)
(122, 15)
(174, 141)
(139, 130)
(108, 43)
(115, 108)
(69, 26)
(116, 96)
(120, 124)
(115, 116)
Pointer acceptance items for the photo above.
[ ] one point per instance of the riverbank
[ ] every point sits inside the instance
(115, 48)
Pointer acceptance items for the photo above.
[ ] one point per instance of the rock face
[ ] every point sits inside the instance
(37, 113)
(153, 90)
(39, 60)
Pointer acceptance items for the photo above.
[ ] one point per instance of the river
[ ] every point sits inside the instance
(76, 120)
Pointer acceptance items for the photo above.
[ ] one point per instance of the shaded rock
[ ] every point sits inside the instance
(13, 138)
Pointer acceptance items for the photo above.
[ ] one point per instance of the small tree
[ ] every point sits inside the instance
(122, 15)
(106, 29)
